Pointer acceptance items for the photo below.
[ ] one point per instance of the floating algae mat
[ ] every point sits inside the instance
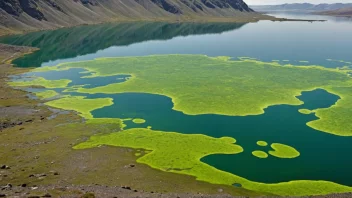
(264, 126)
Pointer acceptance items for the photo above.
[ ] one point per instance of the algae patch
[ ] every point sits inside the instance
(247, 86)
(80, 104)
(188, 149)
(262, 143)
(39, 81)
(260, 154)
(283, 151)
(305, 111)
(138, 121)
(46, 94)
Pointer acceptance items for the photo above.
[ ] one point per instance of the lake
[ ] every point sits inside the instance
(323, 156)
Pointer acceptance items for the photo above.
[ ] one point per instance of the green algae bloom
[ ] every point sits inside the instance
(193, 84)
(188, 149)
(108, 121)
(46, 94)
(305, 111)
(138, 121)
(283, 151)
(262, 143)
(81, 104)
(39, 81)
(337, 118)
(260, 154)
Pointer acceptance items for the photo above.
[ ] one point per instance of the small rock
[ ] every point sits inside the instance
(220, 190)
(54, 173)
(47, 195)
(132, 165)
(126, 187)
(2, 195)
(7, 187)
(23, 185)
(135, 190)
(34, 188)
(5, 167)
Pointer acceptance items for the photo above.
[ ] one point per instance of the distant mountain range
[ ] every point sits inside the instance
(29, 15)
(338, 12)
(301, 7)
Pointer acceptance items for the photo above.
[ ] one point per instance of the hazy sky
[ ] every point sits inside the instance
(269, 2)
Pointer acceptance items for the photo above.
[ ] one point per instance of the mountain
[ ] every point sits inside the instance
(29, 15)
(300, 7)
(337, 12)
(77, 41)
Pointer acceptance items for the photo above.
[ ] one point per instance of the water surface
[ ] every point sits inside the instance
(329, 44)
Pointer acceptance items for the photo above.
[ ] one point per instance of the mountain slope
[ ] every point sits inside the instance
(301, 7)
(19, 15)
(338, 12)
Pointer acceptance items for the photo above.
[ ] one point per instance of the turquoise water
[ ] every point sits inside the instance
(323, 156)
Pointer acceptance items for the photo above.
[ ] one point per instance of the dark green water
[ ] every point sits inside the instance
(323, 156)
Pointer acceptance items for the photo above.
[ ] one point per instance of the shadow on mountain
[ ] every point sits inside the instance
(77, 41)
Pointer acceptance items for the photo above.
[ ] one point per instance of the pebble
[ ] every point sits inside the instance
(5, 167)
(126, 187)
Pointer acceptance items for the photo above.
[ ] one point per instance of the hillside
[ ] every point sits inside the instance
(300, 7)
(29, 15)
(338, 12)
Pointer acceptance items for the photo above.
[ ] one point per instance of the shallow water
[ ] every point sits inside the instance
(329, 44)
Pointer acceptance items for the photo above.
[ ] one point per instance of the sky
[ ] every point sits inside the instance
(271, 2)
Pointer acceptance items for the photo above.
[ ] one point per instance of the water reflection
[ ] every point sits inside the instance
(72, 42)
